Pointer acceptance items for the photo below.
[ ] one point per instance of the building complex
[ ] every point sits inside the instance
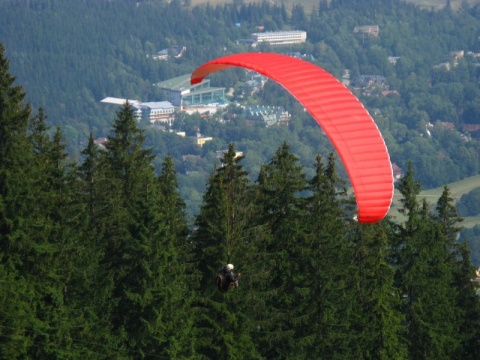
(181, 93)
(279, 37)
(160, 112)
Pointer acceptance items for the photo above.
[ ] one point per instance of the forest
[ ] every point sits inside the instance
(112, 253)
(68, 63)
(97, 259)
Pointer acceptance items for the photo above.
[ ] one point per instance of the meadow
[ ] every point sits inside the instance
(457, 189)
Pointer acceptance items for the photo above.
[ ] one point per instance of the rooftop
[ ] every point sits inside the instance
(158, 105)
(178, 83)
(118, 101)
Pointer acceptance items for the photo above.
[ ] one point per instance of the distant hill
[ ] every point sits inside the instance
(310, 4)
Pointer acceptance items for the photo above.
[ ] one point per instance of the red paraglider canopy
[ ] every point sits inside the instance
(346, 122)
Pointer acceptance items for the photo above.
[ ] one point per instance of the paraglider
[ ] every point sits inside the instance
(226, 279)
(341, 115)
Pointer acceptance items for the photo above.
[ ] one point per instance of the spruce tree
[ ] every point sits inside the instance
(223, 325)
(16, 156)
(174, 300)
(469, 303)
(330, 304)
(457, 257)
(92, 287)
(425, 274)
(141, 257)
(22, 331)
(378, 327)
(280, 212)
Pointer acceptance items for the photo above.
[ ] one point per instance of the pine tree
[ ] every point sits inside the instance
(223, 326)
(466, 315)
(379, 331)
(141, 257)
(92, 287)
(16, 156)
(426, 276)
(469, 302)
(280, 212)
(52, 256)
(330, 304)
(17, 194)
(174, 300)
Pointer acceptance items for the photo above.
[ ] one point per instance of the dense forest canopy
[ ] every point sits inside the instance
(71, 54)
(97, 259)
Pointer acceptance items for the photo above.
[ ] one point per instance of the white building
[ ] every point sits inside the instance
(157, 112)
(280, 37)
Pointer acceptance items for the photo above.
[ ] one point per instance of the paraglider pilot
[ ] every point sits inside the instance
(226, 279)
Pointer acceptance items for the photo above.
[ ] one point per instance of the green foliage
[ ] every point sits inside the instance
(220, 237)
(427, 268)
(96, 259)
(68, 63)
(468, 204)
(472, 238)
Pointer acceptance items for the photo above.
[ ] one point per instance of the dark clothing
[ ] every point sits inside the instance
(226, 279)
(229, 276)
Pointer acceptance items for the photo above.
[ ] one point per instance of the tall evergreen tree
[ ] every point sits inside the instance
(457, 257)
(330, 303)
(16, 156)
(138, 249)
(469, 302)
(52, 253)
(426, 277)
(16, 315)
(378, 327)
(174, 300)
(223, 326)
(92, 288)
(281, 212)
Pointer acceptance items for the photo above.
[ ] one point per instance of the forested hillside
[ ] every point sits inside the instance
(96, 259)
(69, 55)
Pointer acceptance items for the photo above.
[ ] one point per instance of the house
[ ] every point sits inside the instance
(389, 92)
(393, 59)
(447, 125)
(397, 172)
(371, 85)
(445, 66)
(256, 82)
(175, 51)
(101, 142)
(220, 154)
(366, 80)
(202, 140)
(270, 115)
(161, 55)
(371, 30)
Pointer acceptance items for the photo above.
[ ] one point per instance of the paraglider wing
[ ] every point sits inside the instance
(346, 122)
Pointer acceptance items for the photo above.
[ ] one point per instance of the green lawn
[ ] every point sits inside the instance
(457, 189)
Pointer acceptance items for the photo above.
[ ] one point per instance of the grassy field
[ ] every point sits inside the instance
(310, 4)
(457, 189)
